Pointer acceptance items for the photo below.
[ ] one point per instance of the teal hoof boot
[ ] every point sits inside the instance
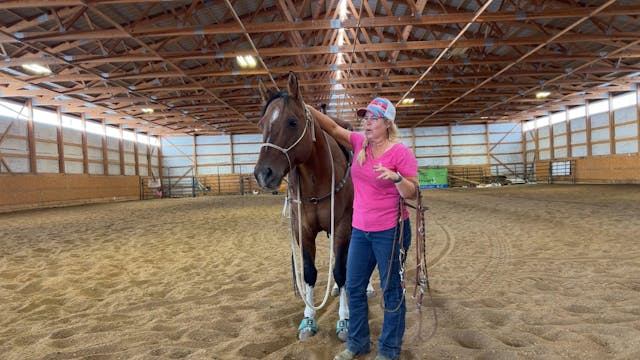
(308, 327)
(342, 329)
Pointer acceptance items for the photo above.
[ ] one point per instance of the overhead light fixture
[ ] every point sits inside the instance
(542, 94)
(147, 110)
(246, 61)
(407, 101)
(37, 68)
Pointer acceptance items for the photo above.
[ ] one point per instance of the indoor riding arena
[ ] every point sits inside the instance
(132, 227)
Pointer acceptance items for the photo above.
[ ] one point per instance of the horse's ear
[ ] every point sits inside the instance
(264, 93)
(293, 87)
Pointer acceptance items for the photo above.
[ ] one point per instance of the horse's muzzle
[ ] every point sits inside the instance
(266, 178)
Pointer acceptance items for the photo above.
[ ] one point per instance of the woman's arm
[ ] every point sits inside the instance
(336, 131)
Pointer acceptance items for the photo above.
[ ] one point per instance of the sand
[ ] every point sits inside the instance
(518, 272)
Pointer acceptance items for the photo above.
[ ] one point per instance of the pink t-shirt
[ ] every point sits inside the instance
(375, 203)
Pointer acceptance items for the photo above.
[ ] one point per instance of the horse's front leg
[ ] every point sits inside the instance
(308, 326)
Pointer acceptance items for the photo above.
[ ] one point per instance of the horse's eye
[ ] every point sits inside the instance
(293, 122)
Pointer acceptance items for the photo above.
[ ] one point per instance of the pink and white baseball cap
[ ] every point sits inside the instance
(380, 107)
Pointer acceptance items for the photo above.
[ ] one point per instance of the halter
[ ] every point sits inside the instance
(308, 121)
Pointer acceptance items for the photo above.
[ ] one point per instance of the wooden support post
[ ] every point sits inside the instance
(60, 140)
(552, 150)
(135, 152)
(587, 127)
(85, 150)
(233, 165)
(638, 115)
(568, 133)
(523, 141)
(450, 145)
(487, 139)
(195, 155)
(31, 138)
(612, 127)
(160, 156)
(149, 168)
(121, 149)
(105, 150)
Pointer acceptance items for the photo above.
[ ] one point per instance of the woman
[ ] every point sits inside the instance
(384, 170)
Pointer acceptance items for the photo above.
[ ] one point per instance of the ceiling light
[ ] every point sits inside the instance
(37, 68)
(542, 94)
(251, 61)
(407, 101)
(147, 110)
(246, 61)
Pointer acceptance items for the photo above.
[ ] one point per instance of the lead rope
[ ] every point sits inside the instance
(299, 274)
(422, 276)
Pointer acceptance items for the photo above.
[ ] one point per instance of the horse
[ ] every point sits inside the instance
(318, 175)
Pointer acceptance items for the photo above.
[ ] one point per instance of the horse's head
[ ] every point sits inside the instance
(287, 132)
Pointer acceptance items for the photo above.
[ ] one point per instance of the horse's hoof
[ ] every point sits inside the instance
(371, 293)
(307, 328)
(342, 329)
(335, 291)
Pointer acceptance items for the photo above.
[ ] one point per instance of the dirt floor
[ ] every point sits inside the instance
(517, 272)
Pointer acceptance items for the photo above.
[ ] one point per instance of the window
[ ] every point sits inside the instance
(624, 100)
(561, 168)
(598, 107)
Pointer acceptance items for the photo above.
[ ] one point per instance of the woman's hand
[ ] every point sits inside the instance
(385, 173)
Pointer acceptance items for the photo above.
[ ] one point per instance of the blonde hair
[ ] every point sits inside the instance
(392, 135)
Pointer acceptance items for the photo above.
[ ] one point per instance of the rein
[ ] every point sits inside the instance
(421, 285)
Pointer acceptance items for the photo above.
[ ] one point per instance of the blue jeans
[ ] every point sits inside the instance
(365, 251)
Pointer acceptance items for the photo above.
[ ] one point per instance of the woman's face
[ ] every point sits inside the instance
(375, 127)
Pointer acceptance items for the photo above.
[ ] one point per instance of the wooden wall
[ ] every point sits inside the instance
(28, 191)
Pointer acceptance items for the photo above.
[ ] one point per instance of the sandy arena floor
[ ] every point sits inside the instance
(519, 272)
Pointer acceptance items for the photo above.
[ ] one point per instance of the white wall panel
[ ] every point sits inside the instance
(46, 148)
(73, 167)
(469, 160)
(45, 131)
(544, 154)
(560, 153)
(600, 135)
(579, 151)
(434, 130)
(509, 138)
(579, 138)
(432, 141)
(544, 143)
(626, 131)
(560, 140)
(625, 114)
(507, 148)
(560, 128)
(432, 151)
(599, 120)
(600, 149)
(96, 169)
(578, 124)
(17, 165)
(468, 139)
(543, 132)
(468, 129)
(443, 161)
(627, 147)
(468, 149)
(14, 146)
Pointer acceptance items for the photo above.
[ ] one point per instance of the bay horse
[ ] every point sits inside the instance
(318, 174)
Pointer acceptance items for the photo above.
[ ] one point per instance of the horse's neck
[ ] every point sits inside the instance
(318, 168)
